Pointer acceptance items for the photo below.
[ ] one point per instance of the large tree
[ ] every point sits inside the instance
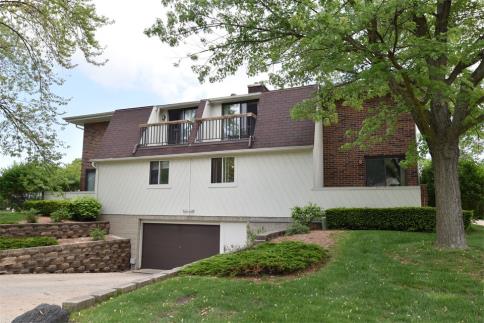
(424, 57)
(38, 38)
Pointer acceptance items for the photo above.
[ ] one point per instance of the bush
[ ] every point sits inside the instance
(97, 234)
(26, 242)
(307, 214)
(60, 215)
(31, 216)
(46, 207)
(84, 209)
(420, 219)
(265, 259)
(297, 228)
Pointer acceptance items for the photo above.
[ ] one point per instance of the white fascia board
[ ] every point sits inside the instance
(208, 153)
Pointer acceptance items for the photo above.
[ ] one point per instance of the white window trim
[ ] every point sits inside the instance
(223, 185)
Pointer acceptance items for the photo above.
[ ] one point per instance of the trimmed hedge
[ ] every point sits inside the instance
(419, 219)
(46, 207)
(265, 259)
(26, 242)
(79, 209)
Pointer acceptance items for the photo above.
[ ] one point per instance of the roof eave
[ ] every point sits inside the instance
(89, 118)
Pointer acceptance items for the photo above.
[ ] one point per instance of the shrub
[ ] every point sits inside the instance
(25, 242)
(97, 234)
(84, 208)
(307, 214)
(265, 259)
(401, 219)
(60, 214)
(297, 228)
(31, 216)
(46, 207)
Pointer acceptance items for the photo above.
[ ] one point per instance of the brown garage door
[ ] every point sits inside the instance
(167, 246)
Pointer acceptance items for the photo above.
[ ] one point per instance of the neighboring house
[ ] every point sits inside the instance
(187, 180)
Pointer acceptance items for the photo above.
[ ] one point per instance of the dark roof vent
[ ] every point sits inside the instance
(233, 94)
(257, 87)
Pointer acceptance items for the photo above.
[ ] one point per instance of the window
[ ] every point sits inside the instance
(90, 179)
(384, 171)
(238, 127)
(159, 172)
(223, 170)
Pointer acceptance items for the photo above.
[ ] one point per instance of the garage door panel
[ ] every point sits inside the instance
(166, 246)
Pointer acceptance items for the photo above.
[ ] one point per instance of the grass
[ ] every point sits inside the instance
(25, 242)
(373, 276)
(266, 259)
(7, 217)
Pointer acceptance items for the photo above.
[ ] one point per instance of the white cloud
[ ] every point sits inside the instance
(138, 62)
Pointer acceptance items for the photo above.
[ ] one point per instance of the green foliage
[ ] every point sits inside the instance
(38, 40)
(28, 180)
(471, 179)
(307, 214)
(419, 219)
(297, 228)
(97, 234)
(46, 207)
(265, 259)
(31, 216)
(84, 208)
(60, 214)
(26, 242)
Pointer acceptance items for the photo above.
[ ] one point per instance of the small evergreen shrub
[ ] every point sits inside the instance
(25, 242)
(46, 207)
(84, 209)
(60, 215)
(307, 214)
(97, 234)
(31, 216)
(265, 259)
(421, 219)
(297, 228)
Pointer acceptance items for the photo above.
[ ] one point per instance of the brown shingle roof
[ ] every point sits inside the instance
(274, 128)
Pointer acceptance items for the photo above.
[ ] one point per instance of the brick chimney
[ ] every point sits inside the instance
(257, 87)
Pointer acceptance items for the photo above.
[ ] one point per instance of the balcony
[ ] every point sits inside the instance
(226, 128)
(213, 129)
(165, 133)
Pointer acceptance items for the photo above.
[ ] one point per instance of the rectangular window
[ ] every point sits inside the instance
(159, 172)
(241, 127)
(90, 179)
(384, 171)
(223, 170)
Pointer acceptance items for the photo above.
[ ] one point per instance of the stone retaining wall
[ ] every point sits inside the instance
(92, 256)
(65, 230)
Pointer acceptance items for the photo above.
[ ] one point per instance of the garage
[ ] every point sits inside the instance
(166, 246)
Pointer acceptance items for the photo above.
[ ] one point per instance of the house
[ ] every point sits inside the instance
(188, 180)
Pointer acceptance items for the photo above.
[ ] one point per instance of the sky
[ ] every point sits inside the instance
(140, 71)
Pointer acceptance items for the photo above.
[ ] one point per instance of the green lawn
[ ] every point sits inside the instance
(7, 217)
(374, 276)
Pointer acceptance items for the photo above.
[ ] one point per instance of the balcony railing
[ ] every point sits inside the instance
(222, 128)
(226, 128)
(165, 133)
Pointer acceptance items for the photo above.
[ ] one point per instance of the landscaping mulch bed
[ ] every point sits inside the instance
(323, 238)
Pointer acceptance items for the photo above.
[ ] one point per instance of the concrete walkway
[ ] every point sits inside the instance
(20, 293)
(480, 222)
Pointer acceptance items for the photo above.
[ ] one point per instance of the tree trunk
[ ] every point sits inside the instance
(450, 223)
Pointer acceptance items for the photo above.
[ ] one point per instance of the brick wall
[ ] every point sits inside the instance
(85, 257)
(93, 134)
(347, 168)
(65, 230)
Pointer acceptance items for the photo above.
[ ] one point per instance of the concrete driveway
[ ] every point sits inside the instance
(20, 293)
